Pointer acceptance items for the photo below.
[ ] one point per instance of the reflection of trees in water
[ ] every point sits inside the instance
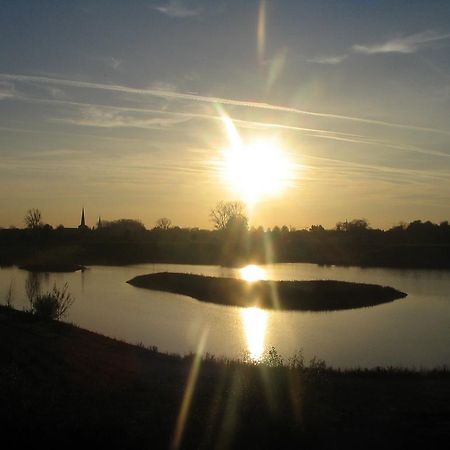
(82, 281)
(9, 297)
(33, 285)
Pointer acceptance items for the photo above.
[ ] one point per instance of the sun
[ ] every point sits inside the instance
(257, 169)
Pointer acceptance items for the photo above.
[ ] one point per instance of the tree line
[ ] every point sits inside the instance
(418, 244)
(232, 214)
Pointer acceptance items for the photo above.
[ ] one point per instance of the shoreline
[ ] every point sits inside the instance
(25, 320)
(61, 384)
(53, 268)
(195, 262)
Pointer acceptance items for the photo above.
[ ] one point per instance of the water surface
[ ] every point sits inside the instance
(411, 332)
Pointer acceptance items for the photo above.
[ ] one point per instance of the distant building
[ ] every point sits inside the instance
(82, 226)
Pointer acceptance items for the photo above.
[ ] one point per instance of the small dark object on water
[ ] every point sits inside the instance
(315, 295)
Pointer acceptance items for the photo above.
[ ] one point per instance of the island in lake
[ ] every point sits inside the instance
(315, 295)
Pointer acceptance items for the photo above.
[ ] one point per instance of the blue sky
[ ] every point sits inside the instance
(116, 106)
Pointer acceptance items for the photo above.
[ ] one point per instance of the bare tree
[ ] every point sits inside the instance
(223, 212)
(163, 223)
(33, 219)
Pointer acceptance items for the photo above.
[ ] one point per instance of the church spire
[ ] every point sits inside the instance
(82, 225)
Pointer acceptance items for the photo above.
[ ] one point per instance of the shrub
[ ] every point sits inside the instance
(297, 360)
(272, 358)
(317, 366)
(53, 304)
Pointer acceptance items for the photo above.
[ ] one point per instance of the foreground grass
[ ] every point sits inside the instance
(61, 385)
(315, 295)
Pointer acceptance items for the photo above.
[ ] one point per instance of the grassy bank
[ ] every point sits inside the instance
(61, 385)
(317, 295)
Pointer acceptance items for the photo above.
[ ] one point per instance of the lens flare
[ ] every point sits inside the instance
(261, 30)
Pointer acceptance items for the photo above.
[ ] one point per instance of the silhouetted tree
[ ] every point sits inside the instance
(33, 219)
(123, 227)
(237, 224)
(223, 212)
(235, 242)
(422, 227)
(354, 225)
(163, 223)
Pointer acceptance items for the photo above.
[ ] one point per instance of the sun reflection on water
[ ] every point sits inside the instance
(255, 325)
(253, 273)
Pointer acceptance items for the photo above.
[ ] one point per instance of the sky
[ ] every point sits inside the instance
(118, 107)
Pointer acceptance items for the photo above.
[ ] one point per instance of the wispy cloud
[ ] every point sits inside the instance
(114, 63)
(413, 174)
(56, 93)
(107, 116)
(329, 59)
(20, 130)
(180, 8)
(404, 44)
(99, 117)
(175, 95)
(7, 90)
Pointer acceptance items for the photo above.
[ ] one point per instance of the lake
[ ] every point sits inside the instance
(409, 332)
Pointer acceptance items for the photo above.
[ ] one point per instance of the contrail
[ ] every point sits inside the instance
(312, 132)
(167, 94)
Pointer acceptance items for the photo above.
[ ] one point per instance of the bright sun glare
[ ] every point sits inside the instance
(257, 169)
(254, 319)
(255, 324)
(252, 273)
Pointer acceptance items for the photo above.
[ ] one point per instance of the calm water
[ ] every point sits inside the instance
(413, 332)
